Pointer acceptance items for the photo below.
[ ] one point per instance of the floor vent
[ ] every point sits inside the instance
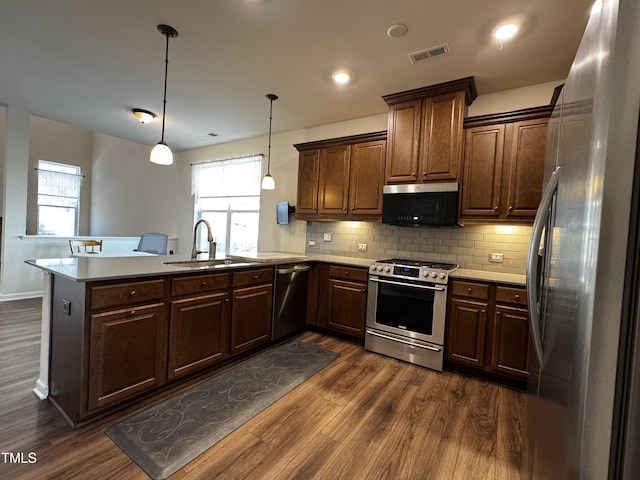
(428, 53)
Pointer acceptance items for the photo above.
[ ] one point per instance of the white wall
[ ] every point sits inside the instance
(3, 127)
(61, 143)
(514, 99)
(130, 195)
(284, 169)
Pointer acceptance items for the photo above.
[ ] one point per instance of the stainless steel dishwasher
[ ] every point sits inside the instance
(289, 299)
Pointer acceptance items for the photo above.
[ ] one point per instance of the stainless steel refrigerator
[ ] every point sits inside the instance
(582, 265)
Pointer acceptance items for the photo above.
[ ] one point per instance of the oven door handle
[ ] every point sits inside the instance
(395, 339)
(411, 285)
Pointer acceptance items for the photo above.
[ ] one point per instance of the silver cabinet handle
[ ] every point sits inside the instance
(542, 216)
(387, 337)
(410, 285)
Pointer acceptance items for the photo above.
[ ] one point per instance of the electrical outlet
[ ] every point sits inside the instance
(362, 247)
(311, 243)
(496, 257)
(66, 306)
(327, 236)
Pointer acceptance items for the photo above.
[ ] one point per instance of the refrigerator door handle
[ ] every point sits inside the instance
(542, 217)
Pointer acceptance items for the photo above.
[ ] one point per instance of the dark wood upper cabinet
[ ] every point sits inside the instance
(350, 177)
(366, 177)
(503, 166)
(308, 176)
(333, 189)
(425, 132)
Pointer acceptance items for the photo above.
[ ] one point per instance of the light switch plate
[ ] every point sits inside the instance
(327, 236)
(362, 247)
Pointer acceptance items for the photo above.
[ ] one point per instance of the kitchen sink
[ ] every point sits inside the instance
(207, 263)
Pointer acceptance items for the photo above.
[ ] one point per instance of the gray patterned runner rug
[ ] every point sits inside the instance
(164, 438)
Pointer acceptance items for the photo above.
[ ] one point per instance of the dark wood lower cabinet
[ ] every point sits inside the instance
(510, 341)
(347, 306)
(342, 299)
(467, 326)
(488, 329)
(198, 333)
(251, 317)
(127, 354)
(115, 341)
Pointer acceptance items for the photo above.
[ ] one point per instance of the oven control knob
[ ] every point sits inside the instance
(434, 274)
(443, 275)
(425, 273)
(387, 269)
(379, 267)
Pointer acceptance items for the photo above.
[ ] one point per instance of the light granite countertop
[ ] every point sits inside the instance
(94, 268)
(463, 273)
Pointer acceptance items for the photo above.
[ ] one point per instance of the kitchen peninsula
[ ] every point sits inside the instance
(119, 328)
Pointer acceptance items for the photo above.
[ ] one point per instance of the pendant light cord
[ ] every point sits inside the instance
(164, 98)
(269, 148)
(271, 97)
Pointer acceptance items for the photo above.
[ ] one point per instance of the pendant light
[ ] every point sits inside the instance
(161, 153)
(267, 182)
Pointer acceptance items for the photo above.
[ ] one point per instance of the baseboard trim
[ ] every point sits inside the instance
(8, 297)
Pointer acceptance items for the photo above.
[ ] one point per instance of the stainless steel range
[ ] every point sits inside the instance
(406, 310)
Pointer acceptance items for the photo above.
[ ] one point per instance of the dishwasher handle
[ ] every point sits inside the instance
(294, 269)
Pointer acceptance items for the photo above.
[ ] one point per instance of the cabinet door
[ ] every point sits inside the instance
(127, 352)
(466, 326)
(367, 178)
(198, 333)
(510, 350)
(441, 151)
(347, 306)
(333, 190)
(482, 171)
(250, 317)
(403, 142)
(308, 175)
(525, 157)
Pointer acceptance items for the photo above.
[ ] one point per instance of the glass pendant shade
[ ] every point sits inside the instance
(161, 154)
(268, 183)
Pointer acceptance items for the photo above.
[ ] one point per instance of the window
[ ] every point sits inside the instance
(58, 198)
(227, 195)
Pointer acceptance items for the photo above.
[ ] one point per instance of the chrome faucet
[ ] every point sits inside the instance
(212, 244)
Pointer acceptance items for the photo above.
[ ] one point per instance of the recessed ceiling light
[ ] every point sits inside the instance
(341, 77)
(397, 30)
(506, 31)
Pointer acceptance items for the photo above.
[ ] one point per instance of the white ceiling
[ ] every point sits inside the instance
(88, 63)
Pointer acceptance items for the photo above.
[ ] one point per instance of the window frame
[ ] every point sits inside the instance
(60, 169)
(228, 212)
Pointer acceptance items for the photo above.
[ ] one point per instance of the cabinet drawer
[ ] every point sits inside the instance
(517, 296)
(253, 277)
(470, 289)
(198, 284)
(125, 294)
(348, 273)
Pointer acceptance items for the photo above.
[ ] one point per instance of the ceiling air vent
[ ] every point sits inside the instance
(428, 53)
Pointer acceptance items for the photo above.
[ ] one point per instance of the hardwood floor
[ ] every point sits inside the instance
(363, 417)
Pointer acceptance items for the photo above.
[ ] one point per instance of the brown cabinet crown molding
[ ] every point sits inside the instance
(340, 141)
(466, 84)
(532, 113)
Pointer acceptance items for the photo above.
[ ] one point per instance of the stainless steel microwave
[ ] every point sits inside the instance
(424, 204)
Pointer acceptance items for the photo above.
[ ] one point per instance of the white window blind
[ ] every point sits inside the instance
(227, 195)
(58, 198)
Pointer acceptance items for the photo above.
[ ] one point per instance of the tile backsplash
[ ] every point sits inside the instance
(468, 246)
